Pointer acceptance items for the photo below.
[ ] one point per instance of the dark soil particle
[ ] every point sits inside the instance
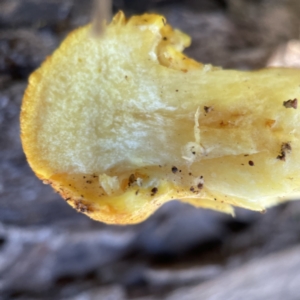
(174, 170)
(154, 191)
(200, 186)
(291, 103)
(208, 109)
(285, 149)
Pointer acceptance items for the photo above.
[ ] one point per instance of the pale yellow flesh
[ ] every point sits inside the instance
(100, 110)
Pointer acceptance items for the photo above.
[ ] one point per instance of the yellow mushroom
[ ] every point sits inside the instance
(121, 124)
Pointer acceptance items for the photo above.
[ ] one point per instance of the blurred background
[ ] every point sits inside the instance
(49, 251)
